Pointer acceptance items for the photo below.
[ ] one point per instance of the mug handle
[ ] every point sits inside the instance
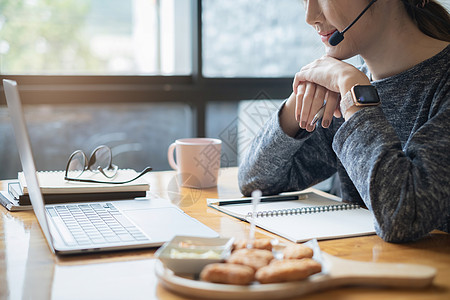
(170, 158)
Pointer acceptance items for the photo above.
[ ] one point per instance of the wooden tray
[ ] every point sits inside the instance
(337, 272)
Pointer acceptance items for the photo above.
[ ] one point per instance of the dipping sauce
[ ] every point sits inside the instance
(210, 254)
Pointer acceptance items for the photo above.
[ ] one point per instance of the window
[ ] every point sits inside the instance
(86, 58)
(258, 38)
(95, 37)
(137, 133)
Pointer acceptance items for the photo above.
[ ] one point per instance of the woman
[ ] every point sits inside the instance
(391, 157)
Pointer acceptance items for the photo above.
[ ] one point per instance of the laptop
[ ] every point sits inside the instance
(71, 228)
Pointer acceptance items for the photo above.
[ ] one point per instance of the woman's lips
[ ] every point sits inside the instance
(325, 35)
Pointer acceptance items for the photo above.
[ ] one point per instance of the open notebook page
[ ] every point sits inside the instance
(326, 219)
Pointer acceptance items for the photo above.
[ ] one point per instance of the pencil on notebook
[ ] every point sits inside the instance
(263, 199)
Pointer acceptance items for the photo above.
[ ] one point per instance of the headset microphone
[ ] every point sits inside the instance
(337, 37)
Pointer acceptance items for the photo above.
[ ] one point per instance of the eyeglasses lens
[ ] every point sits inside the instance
(101, 158)
(76, 165)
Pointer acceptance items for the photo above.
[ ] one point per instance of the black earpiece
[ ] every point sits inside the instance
(336, 38)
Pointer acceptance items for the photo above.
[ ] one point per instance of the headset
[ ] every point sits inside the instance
(337, 37)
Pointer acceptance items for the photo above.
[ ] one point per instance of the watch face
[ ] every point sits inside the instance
(366, 94)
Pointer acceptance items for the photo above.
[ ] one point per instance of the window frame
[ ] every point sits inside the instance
(194, 90)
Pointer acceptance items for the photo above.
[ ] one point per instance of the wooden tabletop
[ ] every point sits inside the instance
(29, 270)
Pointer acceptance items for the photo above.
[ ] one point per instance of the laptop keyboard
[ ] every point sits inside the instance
(95, 224)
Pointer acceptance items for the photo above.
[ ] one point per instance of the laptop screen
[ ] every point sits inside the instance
(26, 155)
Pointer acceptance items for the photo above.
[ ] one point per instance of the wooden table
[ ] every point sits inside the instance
(29, 270)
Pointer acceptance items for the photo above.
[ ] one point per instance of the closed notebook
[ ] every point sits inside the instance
(15, 191)
(53, 182)
(315, 215)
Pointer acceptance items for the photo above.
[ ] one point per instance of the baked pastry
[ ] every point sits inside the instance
(297, 251)
(288, 270)
(265, 244)
(227, 273)
(254, 258)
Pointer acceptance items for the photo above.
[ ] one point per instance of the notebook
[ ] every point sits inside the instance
(58, 190)
(97, 226)
(302, 216)
(53, 182)
(8, 201)
(14, 189)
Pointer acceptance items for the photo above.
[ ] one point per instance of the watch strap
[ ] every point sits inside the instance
(346, 102)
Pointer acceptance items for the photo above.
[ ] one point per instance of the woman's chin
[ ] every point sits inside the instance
(338, 52)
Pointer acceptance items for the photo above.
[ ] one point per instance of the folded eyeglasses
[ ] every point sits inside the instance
(100, 161)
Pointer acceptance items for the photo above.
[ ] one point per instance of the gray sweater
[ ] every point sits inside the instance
(393, 158)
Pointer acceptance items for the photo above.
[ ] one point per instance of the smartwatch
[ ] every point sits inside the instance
(360, 96)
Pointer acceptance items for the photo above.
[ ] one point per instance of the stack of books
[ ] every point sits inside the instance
(56, 189)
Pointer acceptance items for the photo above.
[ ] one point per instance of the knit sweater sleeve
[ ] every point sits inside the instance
(406, 188)
(276, 162)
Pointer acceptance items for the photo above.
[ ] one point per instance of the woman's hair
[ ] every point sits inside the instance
(431, 17)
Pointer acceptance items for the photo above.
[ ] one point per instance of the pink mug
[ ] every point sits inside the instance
(197, 161)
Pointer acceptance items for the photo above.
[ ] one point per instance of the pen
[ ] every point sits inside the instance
(318, 116)
(262, 199)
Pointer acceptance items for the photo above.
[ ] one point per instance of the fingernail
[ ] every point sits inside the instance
(310, 128)
(326, 123)
(303, 124)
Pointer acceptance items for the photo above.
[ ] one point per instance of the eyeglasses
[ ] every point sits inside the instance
(100, 161)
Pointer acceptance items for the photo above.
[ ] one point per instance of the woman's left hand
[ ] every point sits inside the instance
(333, 75)
(309, 100)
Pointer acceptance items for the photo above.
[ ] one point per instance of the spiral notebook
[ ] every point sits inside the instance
(302, 216)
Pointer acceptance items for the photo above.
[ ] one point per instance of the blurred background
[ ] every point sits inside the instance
(138, 74)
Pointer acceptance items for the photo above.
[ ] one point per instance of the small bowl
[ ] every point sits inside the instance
(189, 254)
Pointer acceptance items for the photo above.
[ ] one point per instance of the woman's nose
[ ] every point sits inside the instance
(313, 12)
